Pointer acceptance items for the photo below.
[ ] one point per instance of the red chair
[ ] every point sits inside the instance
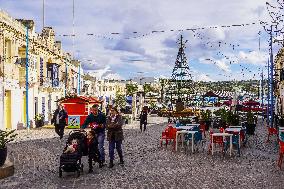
(281, 153)
(216, 140)
(168, 135)
(271, 131)
(242, 135)
(165, 136)
(203, 129)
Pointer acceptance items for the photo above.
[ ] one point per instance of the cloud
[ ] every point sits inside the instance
(204, 77)
(111, 54)
(100, 73)
(114, 76)
(222, 65)
(253, 57)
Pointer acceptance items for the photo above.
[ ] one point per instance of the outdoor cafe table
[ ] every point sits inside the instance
(239, 126)
(223, 135)
(182, 133)
(237, 130)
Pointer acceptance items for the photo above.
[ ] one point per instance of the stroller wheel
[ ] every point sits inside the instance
(60, 172)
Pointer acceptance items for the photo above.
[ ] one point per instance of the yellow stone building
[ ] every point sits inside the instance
(279, 84)
(46, 72)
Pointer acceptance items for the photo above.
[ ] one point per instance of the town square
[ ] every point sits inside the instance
(141, 94)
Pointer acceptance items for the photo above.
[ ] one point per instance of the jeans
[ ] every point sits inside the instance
(59, 129)
(101, 140)
(115, 144)
(144, 126)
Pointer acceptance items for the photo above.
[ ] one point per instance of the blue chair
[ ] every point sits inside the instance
(178, 124)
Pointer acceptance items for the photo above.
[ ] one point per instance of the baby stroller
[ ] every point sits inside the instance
(71, 162)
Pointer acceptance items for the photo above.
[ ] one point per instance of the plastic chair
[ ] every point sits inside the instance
(203, 129)
(216, 140)
(165, 137)
(271, 131)
(281, 153)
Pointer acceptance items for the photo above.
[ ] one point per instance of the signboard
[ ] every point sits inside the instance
(74, 122)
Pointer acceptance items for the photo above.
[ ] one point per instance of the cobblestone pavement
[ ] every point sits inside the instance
(146, 166)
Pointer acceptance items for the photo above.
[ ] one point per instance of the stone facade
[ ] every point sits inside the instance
(279, 85)
(47, 80)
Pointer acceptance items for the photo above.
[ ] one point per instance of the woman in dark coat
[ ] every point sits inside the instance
(115, 135)
(59, 120)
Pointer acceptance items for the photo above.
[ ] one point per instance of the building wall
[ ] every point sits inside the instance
(41, 46)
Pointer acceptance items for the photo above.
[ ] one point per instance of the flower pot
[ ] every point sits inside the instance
(3, 155)
(39, 123)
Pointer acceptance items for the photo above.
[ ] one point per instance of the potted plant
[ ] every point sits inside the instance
(232, 118)
(206, 118)
(39, 120)
(250, 123)
(5, 138)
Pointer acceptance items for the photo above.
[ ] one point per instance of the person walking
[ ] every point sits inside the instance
(97, 121)
(143, 119)
(59, 120)
(115, 135)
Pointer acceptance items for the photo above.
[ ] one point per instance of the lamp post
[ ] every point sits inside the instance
(27, 78)
(66, 75)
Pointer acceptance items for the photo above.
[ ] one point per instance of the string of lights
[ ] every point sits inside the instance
(141, 34)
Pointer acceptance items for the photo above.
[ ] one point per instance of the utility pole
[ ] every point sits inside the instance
(66, 75)
(73, 29)
(79, 78)
(271, 80)
(262, 89)
(268, 92)
(27, 77)
(43, 7)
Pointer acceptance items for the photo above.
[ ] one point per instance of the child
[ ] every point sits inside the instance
(71, 148)
(93, 150)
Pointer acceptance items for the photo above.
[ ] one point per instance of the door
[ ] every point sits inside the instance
(7, 105)
(43, 107)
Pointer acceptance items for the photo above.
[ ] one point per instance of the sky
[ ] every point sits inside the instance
(213, 54)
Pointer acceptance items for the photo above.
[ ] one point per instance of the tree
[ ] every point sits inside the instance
(131, 89)
(120, 100)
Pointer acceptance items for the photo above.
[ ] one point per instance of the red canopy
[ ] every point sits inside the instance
(228, 103)
(251, 103)
(210, 94)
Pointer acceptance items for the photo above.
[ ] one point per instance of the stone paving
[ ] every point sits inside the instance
(36, 159)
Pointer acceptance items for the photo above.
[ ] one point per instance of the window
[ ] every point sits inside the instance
(8, 51)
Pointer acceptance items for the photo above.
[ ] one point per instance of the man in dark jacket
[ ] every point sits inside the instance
(59, 120)
(143, 119)
(97, 120)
